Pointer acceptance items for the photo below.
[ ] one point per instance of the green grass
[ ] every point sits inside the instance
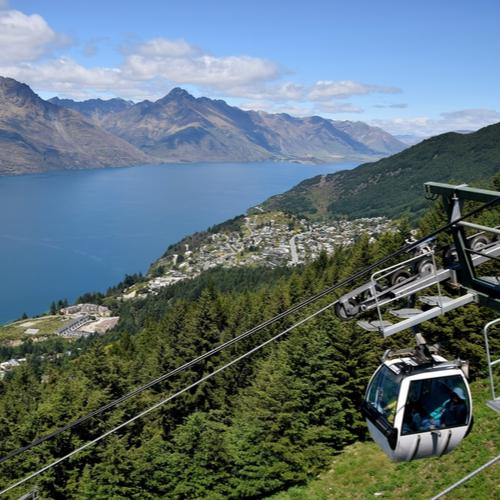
(46, 324)
(393, 186)
(363, 471)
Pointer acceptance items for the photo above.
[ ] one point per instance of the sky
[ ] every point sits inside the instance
(417, 68)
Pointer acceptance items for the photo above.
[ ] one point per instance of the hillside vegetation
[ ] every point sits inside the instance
(268, 423)
(394, 185)
(363, 471)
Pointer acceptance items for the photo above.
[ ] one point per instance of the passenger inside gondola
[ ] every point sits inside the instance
(383, 394)
(415, 419)
(436, 403)
(454, 411)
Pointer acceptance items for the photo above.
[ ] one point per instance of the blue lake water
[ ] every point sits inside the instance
(66, 233)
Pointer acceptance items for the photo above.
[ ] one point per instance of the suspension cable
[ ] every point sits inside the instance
(404, 249)
(166, 400)
(467, 477)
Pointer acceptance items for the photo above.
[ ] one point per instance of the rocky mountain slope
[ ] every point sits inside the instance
(36, 135)
(95, 109)
(180, 127)
(394, 185)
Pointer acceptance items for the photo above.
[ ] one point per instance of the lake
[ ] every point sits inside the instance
(69, 232)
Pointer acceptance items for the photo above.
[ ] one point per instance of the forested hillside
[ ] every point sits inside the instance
(394, 185)
(271, 421)
(362, 470)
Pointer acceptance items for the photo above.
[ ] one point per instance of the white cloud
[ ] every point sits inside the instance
(401, 105)
(272, 107)
(325, 90)
(90, 50)
(262, 91)
(23, 37)
(471, 119)
(197, 68)
(322, 92)
(338, 107)
(63, 70)
(149, 69)
(461, 120)
(290, 91)
(164, 48)
(67, 78)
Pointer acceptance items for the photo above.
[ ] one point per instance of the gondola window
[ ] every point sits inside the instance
(436, 403)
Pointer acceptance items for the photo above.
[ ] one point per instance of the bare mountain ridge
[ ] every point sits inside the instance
(95, 109)
(180, 127)
(36, 135)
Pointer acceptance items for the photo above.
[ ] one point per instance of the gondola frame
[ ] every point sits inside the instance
(400, 446)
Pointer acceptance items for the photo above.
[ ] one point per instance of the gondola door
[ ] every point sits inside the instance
(434, 414)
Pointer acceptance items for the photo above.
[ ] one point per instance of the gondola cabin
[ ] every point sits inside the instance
(418, 408)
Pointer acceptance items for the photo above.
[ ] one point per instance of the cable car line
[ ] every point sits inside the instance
(166, 400)
(404, 249)
(467, 477)
(417, 403)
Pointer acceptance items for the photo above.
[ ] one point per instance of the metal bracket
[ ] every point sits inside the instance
(453, 200)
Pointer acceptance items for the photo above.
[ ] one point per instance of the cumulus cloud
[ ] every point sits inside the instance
(321, 92)
(471, 119)
(64, 72)
(181, 63)
(401, 105)
(287, 91)
(461, 120)
(325, 90)
(338, 107)
(262, 91)
(272, 107)
(159, 63)
(164, 48)
(150, 68)
(300, 109)
(65, 77)
(90, 50)
(24, 37)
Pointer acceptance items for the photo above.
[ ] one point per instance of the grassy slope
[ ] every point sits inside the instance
(362, 470)
(46, 324)
(394, 185)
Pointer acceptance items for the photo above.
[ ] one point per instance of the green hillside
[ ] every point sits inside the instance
(269, 423)
(363, 471)
(394, 185)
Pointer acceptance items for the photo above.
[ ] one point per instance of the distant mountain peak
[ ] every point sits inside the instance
(177, 93)
(96, 109)
(179, 128)
(36, 135)
(10, 88)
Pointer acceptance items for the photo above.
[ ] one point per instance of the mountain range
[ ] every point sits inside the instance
(38, 135)
(180, 127)
(95, 109)
(394, 185)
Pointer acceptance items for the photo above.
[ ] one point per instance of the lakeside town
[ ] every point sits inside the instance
(72, 322)
(268, 239)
